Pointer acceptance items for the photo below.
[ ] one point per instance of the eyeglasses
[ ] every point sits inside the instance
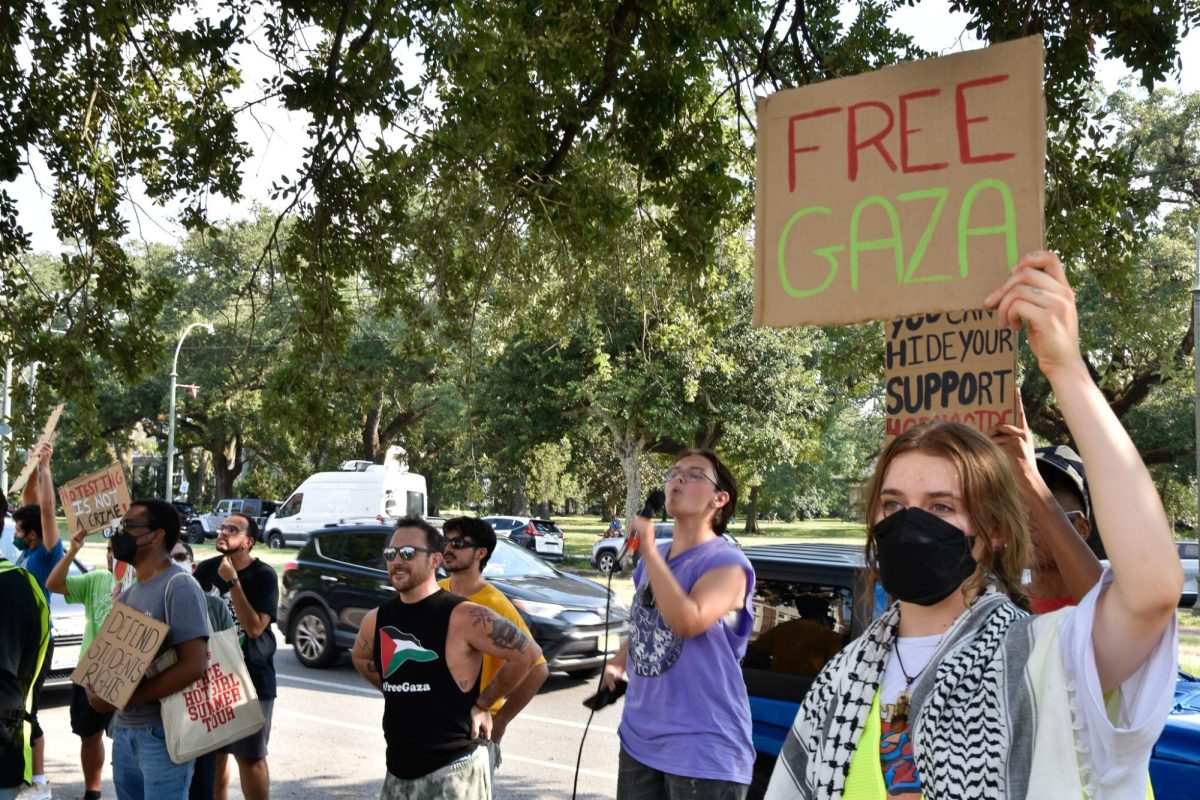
(406, 553)
(460, 543)
(1071, 515)
(126, 527)
(230, 530)
(689, 475)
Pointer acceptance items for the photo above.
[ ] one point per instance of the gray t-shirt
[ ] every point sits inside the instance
(175, 598)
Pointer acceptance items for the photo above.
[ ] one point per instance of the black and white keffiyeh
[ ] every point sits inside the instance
(971, 711)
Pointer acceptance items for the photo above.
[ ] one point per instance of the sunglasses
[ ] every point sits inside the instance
(406, 553)
(460, 543)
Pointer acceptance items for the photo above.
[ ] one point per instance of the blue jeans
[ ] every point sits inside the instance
(142, 770)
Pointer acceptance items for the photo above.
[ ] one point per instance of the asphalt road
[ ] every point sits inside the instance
(326, 740)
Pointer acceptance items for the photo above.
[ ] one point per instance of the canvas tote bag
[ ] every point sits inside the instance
(218, 709)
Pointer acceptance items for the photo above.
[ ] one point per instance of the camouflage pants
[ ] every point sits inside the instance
(467, 779)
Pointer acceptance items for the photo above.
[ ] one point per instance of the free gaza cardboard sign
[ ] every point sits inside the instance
(907, 190)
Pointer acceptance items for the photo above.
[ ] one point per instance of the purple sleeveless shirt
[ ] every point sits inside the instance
(686, 710)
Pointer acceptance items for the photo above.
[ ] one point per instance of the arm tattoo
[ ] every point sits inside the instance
(507, 636)
(503, 633)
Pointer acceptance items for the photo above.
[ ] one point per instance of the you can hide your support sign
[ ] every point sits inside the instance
(898, 192)
(956, 366)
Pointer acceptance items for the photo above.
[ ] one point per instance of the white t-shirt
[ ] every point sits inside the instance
(1121, 751)
(915, 651)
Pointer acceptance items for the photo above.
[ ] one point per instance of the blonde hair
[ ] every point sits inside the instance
(991, 500)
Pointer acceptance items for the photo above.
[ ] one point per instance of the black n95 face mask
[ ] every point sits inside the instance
(922, 558)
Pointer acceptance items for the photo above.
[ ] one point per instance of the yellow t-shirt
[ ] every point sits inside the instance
(494, 599)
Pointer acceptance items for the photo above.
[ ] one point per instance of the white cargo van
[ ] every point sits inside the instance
(356, 496)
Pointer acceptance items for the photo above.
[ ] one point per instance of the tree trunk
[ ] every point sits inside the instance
(195, 470)
(752, 513)
(629, 451)
(227, 464)
(519, 505)
(372, 450)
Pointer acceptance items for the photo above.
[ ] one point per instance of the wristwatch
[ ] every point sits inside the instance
(233, 582)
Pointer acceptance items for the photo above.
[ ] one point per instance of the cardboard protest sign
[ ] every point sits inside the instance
(907, 190)
(120, 654)
(95, 500)
(957, 366)
(31, 465)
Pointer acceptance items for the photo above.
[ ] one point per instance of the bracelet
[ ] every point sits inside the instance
(487, 707)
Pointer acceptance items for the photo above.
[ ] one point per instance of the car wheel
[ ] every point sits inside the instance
(195, 533)
(606, 561)
(275, 540)
(312, 637)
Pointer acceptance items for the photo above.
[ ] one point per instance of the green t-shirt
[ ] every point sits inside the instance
(94, 591)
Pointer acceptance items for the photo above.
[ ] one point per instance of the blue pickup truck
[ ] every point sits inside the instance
(792, 576)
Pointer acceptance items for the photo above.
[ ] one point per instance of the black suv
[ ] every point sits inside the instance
(340, 575)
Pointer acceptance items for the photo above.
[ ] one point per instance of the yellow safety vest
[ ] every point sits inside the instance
(44, 616)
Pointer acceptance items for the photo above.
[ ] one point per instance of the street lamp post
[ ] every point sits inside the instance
(171, 413)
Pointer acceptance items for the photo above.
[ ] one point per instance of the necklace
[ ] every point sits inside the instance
(900, 714)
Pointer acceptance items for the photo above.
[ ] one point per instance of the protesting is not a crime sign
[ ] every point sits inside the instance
(94, 501)
(955, 366)
(911, 189)
(119, 656)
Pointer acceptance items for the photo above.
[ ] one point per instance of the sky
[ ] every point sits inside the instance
(277, 137)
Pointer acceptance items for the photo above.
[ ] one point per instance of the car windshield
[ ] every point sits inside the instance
(545, 526)
(510, 561)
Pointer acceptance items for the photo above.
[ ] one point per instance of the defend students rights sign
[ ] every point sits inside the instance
(119, 656)
(907, 190)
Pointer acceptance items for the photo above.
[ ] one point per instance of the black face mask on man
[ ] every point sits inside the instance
(124, 546)
(922, 558)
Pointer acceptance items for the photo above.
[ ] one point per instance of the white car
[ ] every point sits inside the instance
(538, 535)
(1189, 556)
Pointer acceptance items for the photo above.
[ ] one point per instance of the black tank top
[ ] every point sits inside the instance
(426, 717)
